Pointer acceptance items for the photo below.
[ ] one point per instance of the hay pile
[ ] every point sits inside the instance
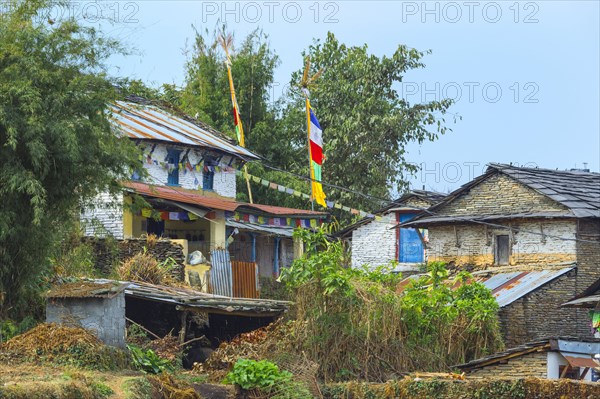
(54, 343)
(168, 387)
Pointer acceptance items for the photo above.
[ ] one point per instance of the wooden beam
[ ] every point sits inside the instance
(183, 330)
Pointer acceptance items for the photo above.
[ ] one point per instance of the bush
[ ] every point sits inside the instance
(251, 374)
(148, 361)
(354, 324)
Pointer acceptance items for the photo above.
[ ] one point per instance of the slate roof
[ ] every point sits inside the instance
(578, 191)
(540, 345)
(431, 197)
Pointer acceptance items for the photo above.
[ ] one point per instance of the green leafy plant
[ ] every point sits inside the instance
(148, 361)
(250, 374)
(358, 323)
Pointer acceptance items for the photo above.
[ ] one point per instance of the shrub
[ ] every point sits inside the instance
(148, 361)
(354, 324)
(251, 374)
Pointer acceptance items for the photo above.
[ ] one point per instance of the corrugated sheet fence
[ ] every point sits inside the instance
(220, 275)
(233, 279)
(245, 282)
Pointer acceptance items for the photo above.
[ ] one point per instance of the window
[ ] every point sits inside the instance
(502, 250)
(173, 163)
(208, 174)
(568, 372)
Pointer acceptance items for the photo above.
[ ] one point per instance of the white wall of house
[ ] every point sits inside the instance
(475, 243)
(374, 243)
(103, 216)
(224, 182)
(556, 359)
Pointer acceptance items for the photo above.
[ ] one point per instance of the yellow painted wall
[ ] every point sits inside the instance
(127, 218)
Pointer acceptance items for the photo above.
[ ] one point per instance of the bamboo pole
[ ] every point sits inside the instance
(225, 43)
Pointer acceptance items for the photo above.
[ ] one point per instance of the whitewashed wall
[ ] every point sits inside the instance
(224, 182)
(375, 242)
(103, 216)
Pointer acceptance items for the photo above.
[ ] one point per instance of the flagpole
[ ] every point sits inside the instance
(241, 140)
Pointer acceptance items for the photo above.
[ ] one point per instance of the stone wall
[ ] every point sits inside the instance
(499, 194)
(529, 365)
(105, 317)
(109, 252)
(473, 244)
(588, 253)
(224, 182)
(539, 314)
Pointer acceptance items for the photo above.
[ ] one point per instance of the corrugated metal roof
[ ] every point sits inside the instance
(278, 231)
(282, 211)
(187, 196)
(585, 302)
(508, 287)
(149, 122)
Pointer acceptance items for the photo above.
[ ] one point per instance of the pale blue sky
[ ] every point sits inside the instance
(543, 56)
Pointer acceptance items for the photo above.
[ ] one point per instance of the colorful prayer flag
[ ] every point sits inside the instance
(315, 138)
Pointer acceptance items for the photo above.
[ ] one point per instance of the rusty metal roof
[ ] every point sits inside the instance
(508, 287)
(182, 195)
(149, 122)
(187, 196)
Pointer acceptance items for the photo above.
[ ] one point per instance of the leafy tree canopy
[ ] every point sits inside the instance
(366, 124)
(56, 145)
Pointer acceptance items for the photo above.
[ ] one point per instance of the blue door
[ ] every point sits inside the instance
(410, 247)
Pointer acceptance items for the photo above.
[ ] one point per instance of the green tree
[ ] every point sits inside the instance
(56, 145)
(366, 123)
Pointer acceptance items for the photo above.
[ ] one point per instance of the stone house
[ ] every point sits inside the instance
(548, 358)
(534, 234)
(375, 241)
(189, 192)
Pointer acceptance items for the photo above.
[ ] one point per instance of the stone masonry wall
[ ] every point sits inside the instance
(105, 317)
(224, 182)
(529, 365)
(539, 314)
(375, 242)
(473, 245)
(499, 194)
(588, 253)
(110, 252)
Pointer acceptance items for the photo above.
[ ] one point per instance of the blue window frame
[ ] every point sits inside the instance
(173, 159)
(208, 178)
